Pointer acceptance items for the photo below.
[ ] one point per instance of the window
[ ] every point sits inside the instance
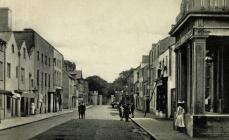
(45, 79)
(42, 79)
(17, 72)
(12, 48)
(24, 55)
(38, 77)
(1, 71)
(38, 55)
(45, 60)
(31, 82)
(23, 75)
(8, 70)
(42, 59)
(1, 47)
(49, 81)
(49, 62)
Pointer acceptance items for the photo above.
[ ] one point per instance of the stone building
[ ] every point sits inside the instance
(166, 77)
(25, 75)
(68, 90)
(57, 80)
(43, 68)
(12, 102)
(202, 78)
(153, 66)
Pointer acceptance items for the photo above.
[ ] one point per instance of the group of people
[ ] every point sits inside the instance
(81, 110)
(125, 110)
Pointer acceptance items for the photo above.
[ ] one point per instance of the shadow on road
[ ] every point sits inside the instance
(92, 129)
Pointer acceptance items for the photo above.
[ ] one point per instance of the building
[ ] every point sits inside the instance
(166, 78)
(25, 75)
(68, 90)
(142, 84)
(12, 101)
(43, 68)
(57, 80)
(153, 76)
(202, 78)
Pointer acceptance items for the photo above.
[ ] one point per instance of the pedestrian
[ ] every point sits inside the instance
(83, 110)
(179, 123)
(120, 109)
(80, 110)
(126, 112)
(132, 108)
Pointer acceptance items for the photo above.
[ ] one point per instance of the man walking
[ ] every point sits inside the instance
(80, 110)
(120, 109)
(83, 110)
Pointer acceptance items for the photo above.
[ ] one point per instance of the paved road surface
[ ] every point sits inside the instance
(101, 123)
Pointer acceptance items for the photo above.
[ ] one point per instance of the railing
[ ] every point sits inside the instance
(203, 6)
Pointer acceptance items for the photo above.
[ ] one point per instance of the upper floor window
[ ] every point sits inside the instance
(1, 47)
(23, 75)
(38, 55)
(49, 61)
(45, 60)
(12, 48)
(42, 58)
(24, 53)
(8, 70)
(17, 71)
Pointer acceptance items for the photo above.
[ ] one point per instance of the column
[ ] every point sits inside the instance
(198, 70)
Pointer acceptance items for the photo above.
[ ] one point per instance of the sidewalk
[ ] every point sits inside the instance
(18, 121)
(162, 129)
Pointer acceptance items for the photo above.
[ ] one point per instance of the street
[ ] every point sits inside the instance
(101, 123)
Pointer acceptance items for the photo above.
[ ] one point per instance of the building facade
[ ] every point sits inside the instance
(202, 65)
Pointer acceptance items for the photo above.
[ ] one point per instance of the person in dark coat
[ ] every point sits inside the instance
(132, 108)
(80, 110)
(83, 110)
(120, 110)
(126, 112)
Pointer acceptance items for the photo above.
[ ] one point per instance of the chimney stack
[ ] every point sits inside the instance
(5, 19)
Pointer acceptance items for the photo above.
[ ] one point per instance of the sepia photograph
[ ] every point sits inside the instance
(114, 69)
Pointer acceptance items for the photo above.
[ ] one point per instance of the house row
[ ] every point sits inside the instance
(32, 73)
(190, 67)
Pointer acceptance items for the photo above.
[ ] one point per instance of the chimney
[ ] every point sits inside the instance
(5, 19)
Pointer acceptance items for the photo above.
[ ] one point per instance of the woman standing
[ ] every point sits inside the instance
(179, 123)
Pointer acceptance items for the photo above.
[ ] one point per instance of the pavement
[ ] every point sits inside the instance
(162, 129)
(18, 121)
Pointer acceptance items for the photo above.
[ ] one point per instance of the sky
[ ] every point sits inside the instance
(103, 37)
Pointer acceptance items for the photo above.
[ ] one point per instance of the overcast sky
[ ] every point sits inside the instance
(103, 37)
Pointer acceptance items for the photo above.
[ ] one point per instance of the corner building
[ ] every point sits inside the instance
(202, 48)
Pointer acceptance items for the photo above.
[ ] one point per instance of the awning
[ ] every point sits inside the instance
(5, 92)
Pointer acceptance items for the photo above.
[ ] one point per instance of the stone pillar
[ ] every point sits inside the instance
(100, 99)
(198, 71)
(112, 98)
